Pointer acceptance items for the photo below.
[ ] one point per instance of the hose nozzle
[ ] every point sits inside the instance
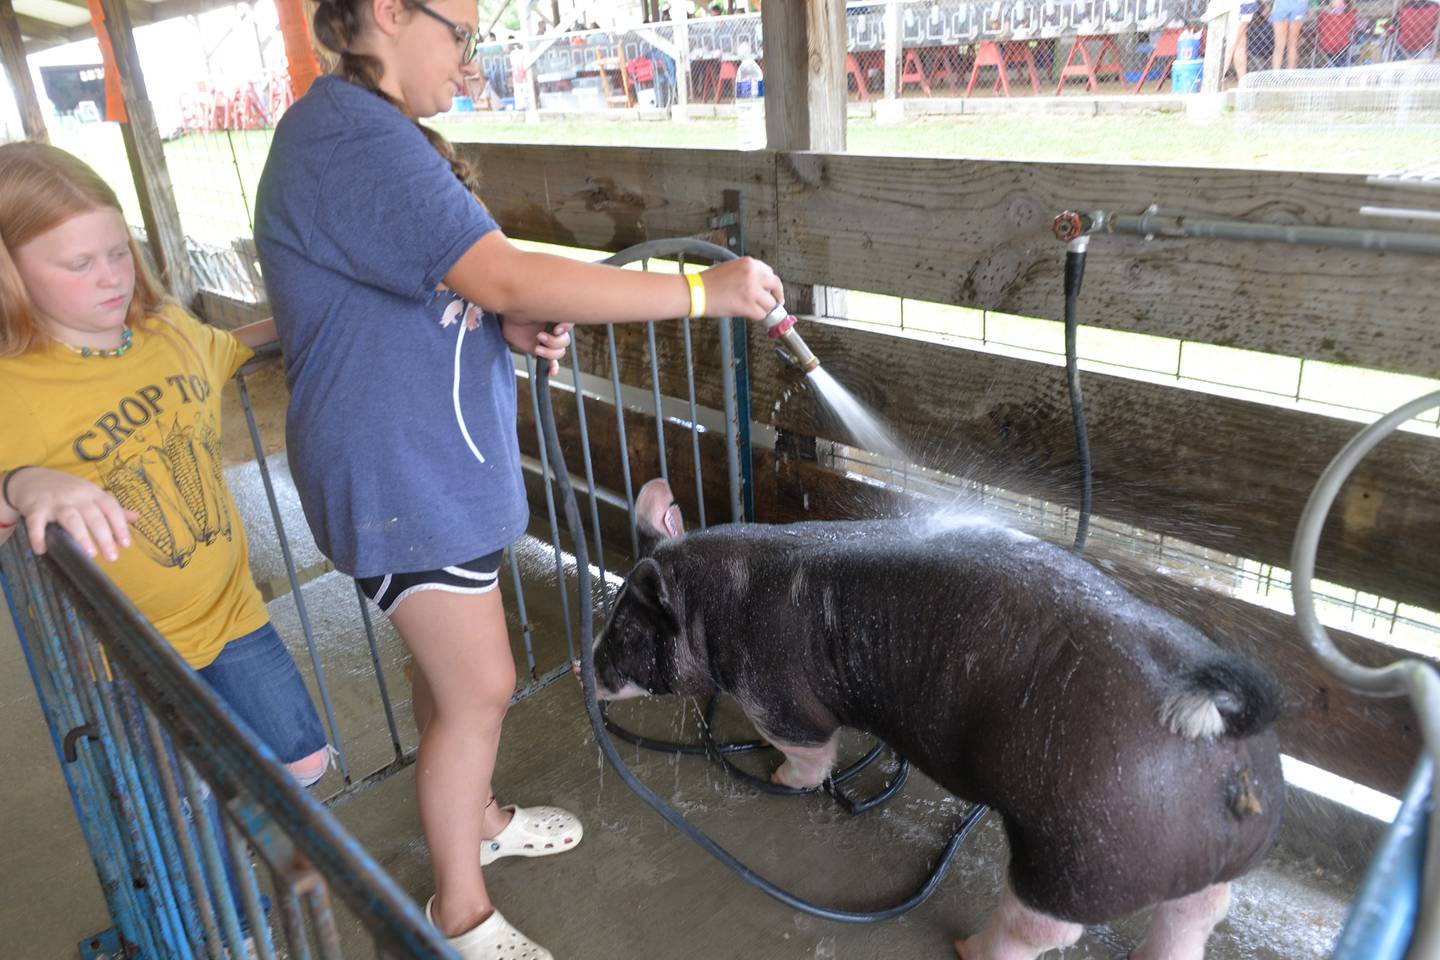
(780, 326)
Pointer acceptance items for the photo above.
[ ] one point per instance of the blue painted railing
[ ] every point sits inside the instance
(177, 798)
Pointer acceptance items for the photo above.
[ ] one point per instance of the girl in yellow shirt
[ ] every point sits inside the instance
(110, 400)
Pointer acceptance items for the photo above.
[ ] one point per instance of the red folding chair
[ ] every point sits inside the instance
(642, 70)
(1333, 34)
(1415, 30)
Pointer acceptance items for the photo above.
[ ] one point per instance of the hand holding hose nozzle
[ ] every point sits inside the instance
(780, 325)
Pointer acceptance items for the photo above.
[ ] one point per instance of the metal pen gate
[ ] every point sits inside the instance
(177, 799)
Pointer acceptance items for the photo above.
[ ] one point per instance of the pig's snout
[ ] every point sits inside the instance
(609, 684)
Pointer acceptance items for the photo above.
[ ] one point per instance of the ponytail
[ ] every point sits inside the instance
(337, 25)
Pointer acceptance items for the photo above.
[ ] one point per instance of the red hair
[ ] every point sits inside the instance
(40, 188)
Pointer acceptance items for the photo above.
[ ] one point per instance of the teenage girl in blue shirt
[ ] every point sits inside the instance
(388, 279)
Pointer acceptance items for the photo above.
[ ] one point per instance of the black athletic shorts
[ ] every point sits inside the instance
(478, 576)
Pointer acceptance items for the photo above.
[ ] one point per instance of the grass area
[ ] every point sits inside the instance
(1154, 138)
(214, 175)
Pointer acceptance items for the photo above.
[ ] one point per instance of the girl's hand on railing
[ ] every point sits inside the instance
(538, 341)
(91, 515)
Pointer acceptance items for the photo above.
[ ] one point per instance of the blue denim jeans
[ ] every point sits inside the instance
(257, 678)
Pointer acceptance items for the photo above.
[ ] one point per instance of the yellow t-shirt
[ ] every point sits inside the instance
(146, 427)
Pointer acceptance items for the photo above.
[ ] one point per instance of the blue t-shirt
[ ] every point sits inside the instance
(401, 427)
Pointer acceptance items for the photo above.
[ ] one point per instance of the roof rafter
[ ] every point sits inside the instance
(38, 29)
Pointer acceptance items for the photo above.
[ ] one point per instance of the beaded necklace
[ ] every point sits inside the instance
(127, 337)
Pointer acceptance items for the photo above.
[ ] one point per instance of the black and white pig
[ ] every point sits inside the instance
(1132, 761)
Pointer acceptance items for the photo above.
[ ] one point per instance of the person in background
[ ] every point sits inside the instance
(1288, 19)
(1236, 53)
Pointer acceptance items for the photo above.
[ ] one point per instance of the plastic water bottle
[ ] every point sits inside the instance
(750, 101)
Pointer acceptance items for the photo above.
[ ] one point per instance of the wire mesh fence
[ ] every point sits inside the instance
(923, 49)
(576, 71)
(1024, 47)
(1405, 95)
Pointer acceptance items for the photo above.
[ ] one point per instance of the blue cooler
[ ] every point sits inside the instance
(1187, 46)
(1185, 76)
(462, 105)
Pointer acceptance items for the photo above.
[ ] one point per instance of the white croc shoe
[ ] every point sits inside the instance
(533, 832)
(493, 939)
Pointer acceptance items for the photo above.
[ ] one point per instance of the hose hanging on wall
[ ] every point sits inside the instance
(1074, 274)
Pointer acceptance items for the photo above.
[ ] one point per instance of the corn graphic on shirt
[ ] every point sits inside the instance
(146, 427)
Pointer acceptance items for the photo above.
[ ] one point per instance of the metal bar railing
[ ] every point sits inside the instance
(300, 608)
(550, 509)
(589, 475)
(694, 420)
(730, 334)
(658, 407)
(525, 630)
(624, 451)
(173, 791)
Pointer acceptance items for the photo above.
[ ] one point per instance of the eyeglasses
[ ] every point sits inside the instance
(471, 41)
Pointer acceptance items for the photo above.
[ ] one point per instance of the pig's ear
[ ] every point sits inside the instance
(657, 516)
(648, 588)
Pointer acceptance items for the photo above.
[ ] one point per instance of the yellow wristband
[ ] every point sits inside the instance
(697, 294)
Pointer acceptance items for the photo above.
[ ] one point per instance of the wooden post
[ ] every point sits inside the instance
(805, 94)
(528, 16)
(147, 160)
(301, 63)
(805, 90)
(12, 51)
(680, 16)
(1217, 36)
(892, 49)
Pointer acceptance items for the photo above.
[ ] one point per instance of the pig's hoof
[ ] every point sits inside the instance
(787, 776)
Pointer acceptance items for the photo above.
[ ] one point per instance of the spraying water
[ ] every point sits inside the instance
(867, 429)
